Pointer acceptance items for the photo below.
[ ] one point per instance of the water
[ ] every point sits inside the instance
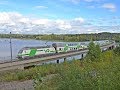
(76, 57)
(17, 44)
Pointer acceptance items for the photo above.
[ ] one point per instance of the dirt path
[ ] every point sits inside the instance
(16, 85)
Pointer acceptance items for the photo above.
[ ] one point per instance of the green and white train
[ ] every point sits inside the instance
(33, 52)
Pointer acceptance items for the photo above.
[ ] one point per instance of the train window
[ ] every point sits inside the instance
(60, 48)
(39, 50)
(25, 51)
(26, 48)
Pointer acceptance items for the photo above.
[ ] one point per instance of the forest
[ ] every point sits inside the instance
(66, 37)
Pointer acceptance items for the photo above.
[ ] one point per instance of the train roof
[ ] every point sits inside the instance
(48, 46)
(63, 44)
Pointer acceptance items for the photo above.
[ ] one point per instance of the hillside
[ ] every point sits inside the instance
(77, 74)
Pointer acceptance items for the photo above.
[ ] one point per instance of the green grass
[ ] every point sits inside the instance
(75, 75)
(27, 74)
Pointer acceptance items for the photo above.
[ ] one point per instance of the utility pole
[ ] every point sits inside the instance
(91, 39)
(10, 47)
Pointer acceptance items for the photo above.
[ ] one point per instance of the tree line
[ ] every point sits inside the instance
(66, 37)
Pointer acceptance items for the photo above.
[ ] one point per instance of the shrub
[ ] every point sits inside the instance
(117, 50)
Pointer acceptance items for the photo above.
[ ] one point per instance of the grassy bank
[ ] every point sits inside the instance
(75, 75)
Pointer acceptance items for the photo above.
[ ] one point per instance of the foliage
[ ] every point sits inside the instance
(117, 50)
(103, 75)
(94, 52)
(66, 37)
(98, 52)
(74, 75)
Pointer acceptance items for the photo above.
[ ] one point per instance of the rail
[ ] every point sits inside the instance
(24, 63)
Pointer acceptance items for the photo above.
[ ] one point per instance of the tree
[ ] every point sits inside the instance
(98, 52)
(94, 52)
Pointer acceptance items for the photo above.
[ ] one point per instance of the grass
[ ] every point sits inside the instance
(27, 74)
(75, 75)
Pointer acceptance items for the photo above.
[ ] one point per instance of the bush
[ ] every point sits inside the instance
(117, 50)
(102, 75)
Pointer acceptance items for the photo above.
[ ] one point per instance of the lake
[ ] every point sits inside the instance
(17, 44)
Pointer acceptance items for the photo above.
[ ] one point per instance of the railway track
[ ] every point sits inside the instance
(20, 64)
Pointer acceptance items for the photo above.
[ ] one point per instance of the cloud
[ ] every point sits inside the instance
(78, 1)
(9, 17)
(80, 20)
(109, 6)
(93, 0)
(40, 7)
(17, 23)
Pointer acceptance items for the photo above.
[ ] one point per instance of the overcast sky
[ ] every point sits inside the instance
(59, 16)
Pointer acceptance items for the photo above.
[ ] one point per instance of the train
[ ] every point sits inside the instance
(55, 48)
(34, 52)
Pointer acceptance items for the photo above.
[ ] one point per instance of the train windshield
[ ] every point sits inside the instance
(20, 51)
